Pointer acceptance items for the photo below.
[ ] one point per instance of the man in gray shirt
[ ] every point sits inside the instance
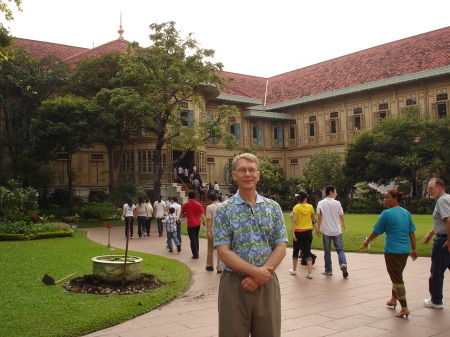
(440, 253)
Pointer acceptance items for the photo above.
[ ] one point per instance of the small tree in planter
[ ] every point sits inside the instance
(118, 268)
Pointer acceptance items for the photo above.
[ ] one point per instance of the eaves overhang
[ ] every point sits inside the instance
(358, 88)
(267, 115)
(238, 99)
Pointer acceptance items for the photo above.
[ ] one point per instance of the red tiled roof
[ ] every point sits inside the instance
(414, 54)
(116, 45)
(39, 49)
(411, 55)
(245, 85)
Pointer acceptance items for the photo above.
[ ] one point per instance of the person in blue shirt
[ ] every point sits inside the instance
(250, 235)
(397, 224)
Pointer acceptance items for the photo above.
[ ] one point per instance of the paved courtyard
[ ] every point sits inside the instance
(323, 306)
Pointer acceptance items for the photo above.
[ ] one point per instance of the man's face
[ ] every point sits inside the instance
(246, 174)
(434, 191)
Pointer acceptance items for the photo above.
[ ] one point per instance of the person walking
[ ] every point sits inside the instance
(250, 235)
(148, 222)
(210, 212)
(159, 211)
(142, 216)
(330, 222)
(171, 229)
(129, 214)
(302, 229)
(195, 215)
(400, 241)
(177, 208)
(440, 253)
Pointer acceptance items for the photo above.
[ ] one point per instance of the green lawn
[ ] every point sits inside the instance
(358, 226)
(31, 308)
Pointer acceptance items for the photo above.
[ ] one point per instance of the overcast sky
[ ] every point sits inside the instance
(253, 37)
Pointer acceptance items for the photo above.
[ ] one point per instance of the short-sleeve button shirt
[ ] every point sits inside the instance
(251, 234)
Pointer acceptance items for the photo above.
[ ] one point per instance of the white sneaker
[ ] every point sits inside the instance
(427, 302)
(292, 272)
(310, 276)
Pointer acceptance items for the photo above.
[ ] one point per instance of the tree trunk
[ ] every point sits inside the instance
(70, 182)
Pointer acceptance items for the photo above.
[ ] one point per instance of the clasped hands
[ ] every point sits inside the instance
(262, 276)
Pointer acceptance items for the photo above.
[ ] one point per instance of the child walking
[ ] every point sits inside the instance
(171, 228)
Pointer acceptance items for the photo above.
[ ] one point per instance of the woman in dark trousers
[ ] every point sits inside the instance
(129, 214)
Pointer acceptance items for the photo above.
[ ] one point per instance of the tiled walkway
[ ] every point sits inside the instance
(323, 306)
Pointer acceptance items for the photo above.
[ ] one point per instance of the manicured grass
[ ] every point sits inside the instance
(31, 308)
(358, 226)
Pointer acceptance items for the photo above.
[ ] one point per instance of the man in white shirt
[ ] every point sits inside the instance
(159, 208)
(330, 223)
(177, 207)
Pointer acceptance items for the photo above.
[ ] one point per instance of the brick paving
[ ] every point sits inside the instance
(323, 306)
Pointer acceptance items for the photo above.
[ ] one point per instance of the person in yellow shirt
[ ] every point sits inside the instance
(303, 222)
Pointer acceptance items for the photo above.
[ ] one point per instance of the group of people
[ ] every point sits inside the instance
(249, 232)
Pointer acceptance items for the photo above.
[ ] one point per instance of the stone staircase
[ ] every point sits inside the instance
(185, 188)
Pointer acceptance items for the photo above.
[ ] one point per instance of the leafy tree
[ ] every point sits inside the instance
(121, 114)
(322, 170)
(24, 84)
(92, 74)
(404, 148)
(63, 127)
(273, 178)
(171, 71)
(4, 7)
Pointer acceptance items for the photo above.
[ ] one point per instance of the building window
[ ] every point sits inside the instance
(294, 161)
(333, 126)
(235, 130)
(312, 129)
(312, 118)
(383, 106)
(128, 161)
(96, 156)
(184, 105)
(334, 121)
(357, 111)
(357, 121)
(145, 161)
(187, 118)
(442, 97)
(210, 160)
(275, 162)
(382, 114)
(292, 132)
(411, 101)
(442, 110)
(257, 134)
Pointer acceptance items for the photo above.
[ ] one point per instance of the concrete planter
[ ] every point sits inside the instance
(111, 268)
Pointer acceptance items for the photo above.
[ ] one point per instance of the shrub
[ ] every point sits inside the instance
(27, 230)
(365, 206)
(420, 206)
(286, 205)
(101, 210)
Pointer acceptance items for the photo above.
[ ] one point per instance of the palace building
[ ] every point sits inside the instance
(291, 116)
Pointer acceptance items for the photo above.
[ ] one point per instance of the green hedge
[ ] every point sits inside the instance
(365, 206)
(37, 236)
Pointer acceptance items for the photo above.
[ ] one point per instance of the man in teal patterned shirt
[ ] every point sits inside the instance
(250, 236)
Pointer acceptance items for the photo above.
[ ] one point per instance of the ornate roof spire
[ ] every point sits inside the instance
(120, 31)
